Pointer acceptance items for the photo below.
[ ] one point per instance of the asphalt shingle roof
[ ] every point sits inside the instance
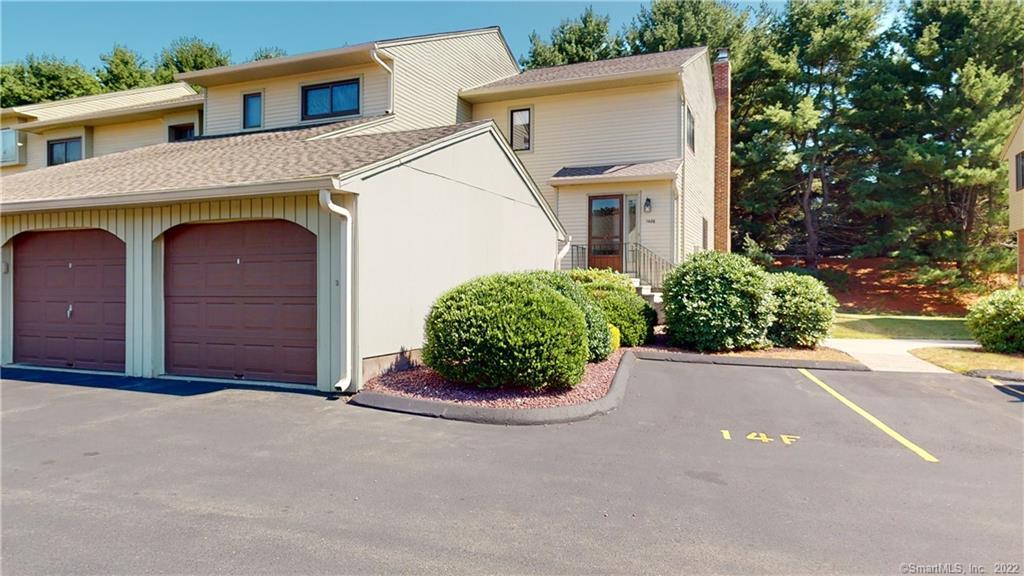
(216, 161)
(624, 170)
(587, 70)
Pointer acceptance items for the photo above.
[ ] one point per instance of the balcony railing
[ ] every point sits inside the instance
(632, 258)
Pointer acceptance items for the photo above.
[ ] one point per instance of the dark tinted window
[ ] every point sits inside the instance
(63, 151)
(252, 110)
(333, 99)
(180, 132)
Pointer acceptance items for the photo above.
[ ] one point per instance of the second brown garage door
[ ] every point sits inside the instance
(241, 301)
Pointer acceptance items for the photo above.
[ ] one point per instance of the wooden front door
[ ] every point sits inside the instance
(604, 245)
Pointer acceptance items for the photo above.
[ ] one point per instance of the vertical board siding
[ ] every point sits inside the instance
(141, 229)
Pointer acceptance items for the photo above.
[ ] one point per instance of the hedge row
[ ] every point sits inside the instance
(716, 301)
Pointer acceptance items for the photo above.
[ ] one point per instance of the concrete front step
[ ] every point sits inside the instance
(653, 298)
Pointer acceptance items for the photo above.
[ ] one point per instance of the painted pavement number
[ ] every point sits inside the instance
(763, 438)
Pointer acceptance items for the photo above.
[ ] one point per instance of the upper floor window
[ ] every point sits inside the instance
(691, 133)
(522, 129)
(180, 132)
(331, 99)
(13, 146)
(704, 233)
(1020, 171)
(63, 151)
(252, 110)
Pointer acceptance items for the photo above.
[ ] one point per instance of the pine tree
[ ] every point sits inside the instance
(582, 39)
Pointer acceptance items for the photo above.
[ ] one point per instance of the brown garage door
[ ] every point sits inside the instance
(241, 301)
(69, 299)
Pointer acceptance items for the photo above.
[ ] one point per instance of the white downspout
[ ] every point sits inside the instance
(391, 80)
(561, 253)
(328, 204)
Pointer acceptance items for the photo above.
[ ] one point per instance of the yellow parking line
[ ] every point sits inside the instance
(867, 416)
(1004, 388)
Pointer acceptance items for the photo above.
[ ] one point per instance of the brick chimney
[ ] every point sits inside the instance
(722, 72)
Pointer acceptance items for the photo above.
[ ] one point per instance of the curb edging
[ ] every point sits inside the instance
(693, 358)
(505, 416)
(997, 374)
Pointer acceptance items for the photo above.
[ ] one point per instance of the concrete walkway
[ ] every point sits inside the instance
(893, 355)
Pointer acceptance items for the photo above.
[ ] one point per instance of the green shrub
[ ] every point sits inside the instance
(598, 339)
(805, 310)
(506, 330)
(627, 311)
(600, 276)
(997, 321)
(716, 301)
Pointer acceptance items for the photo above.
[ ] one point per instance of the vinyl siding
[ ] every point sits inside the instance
(104, 102)
(631, 124)
(698, 200)
(429, 75)
(656, 227)
(36, 143)
(141, 228)
(104, 139)
(112, 138)
(282, 98)
(1016, 196)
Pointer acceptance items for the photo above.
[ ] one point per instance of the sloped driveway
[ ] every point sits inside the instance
(172, 478)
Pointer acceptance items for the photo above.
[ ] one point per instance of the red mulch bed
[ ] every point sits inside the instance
(425, 384)
(880, 285)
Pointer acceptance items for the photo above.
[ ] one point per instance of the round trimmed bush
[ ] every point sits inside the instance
(997, 321)
(616, 337)
(804, 313)
(506, 330)
(598, 338)
(717, 301)
(627, 311)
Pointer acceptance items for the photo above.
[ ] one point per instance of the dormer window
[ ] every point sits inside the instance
(330, 100)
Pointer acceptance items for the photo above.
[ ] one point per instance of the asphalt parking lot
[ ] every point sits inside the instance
(703, 469)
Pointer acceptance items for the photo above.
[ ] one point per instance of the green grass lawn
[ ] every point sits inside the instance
(890, 326)
(965, 359)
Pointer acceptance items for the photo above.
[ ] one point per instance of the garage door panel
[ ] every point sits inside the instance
(77, 270)
(231, 292)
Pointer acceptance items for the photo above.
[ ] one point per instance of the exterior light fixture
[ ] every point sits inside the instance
(647, 206)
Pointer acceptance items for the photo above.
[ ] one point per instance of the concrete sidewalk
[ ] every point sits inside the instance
(893, 355)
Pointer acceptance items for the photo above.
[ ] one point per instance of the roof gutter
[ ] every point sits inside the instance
(374, 54)
(479, 94)
(580, 180)
(344, 384)
(169, 196)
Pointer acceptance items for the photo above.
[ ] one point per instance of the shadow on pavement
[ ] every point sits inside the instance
(148, 385)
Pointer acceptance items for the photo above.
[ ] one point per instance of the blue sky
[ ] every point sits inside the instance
(83, 30)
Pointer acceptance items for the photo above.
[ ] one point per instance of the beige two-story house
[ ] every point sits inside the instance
(624, 151)
(53, 133)
(322, 202)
